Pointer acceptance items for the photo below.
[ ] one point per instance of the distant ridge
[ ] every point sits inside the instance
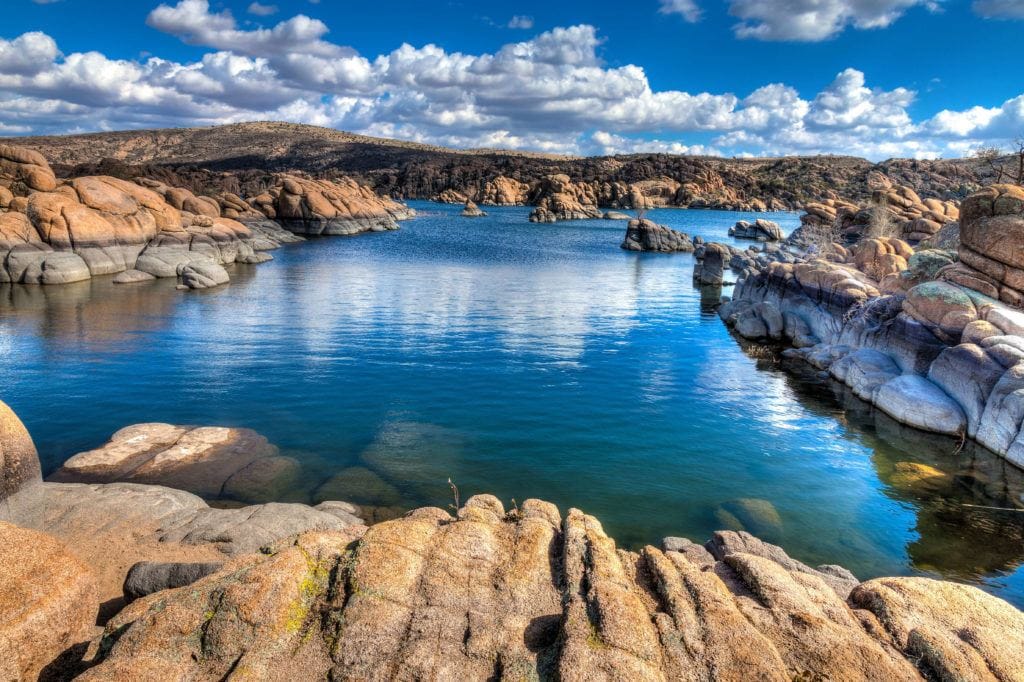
(194, 157)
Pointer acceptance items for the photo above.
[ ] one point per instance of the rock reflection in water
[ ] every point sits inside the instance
(969, 502)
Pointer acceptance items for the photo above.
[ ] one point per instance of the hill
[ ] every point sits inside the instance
(237, 156)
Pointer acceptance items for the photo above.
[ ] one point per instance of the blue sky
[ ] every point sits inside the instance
(875, 78)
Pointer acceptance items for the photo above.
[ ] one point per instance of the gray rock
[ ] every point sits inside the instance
(132, 276)
(726, 543)
(147, 577)
(202, 274)
(913, 400)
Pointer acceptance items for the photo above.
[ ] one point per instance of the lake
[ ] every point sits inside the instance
(525, 361)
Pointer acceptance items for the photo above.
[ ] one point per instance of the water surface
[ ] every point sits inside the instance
(522, 360)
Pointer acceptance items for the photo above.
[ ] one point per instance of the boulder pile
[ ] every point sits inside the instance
(58, 232)
(558, 198)
(323, 207)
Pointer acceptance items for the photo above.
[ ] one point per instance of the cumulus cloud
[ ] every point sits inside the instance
(521, 21)
(261, 10)
(687, 9)
(551, 93)
(999, 9)
(814, 20)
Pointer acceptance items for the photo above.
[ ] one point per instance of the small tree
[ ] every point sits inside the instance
(881, 223)
(1005, 167)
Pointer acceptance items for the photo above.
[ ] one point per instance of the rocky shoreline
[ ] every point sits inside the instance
(933, 337)
(61, 231)
(185, 590)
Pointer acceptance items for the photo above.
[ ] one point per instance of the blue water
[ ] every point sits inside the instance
(522, 360)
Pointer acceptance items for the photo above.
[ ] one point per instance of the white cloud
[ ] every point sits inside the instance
(552, 92)
(687, 9)
(999, 9)
(814, 20)
(261, 10)
(521, 21)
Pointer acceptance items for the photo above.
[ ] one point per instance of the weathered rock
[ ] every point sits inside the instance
(147, 577)
(450, 196)
(202, 274)
(23, 171)
(644, 235)
(915, 401)
(503, 191)
(19, 462)
(113, 526)
(471, 210)
(132, 277)
(991, 230)
(529, 595)
(761, 230)
(711, 264)
(342, 207)
(558, 198)
(955, 631)
(201, 460)
(48, 602)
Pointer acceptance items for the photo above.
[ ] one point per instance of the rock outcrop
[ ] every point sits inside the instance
(893, 210)
(991, 236)
(503, 191)
(934, 343)
(99, 225)
(211, 461)
(471, 210)
(48, 602)
(761, 230)
(450, 196)
(558, 198)
(324, 207)
(645, 235)
(19, 461)
(528, 594)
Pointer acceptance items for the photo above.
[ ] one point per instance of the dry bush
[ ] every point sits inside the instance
(882, 222)
(820, 239)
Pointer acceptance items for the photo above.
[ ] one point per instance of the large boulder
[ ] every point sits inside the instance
(23, 171)
(203, 460)
(712, 260)
(341, 207)
(991, 233)
(645, 235)
(760, 230)
(503, 191)
(48, 602)
(19, 462)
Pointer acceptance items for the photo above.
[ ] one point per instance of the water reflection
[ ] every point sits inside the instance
(968, 502)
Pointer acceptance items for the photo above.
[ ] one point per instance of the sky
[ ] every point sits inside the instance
(871, 78)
